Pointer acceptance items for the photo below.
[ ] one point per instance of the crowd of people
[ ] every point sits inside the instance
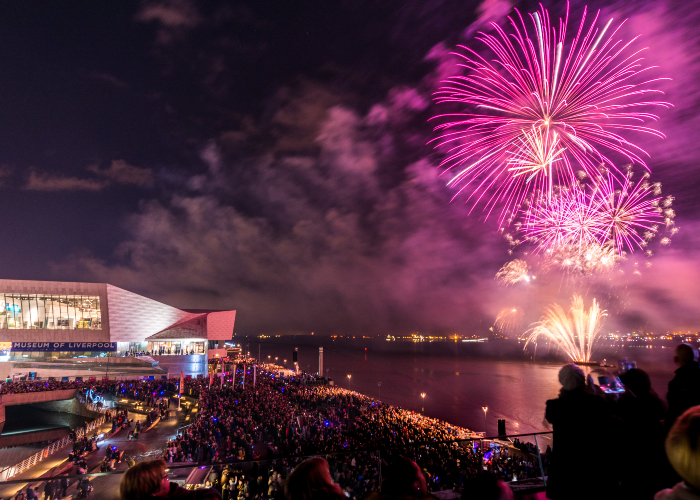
(277, 418)
(257, 432)
(618, 437)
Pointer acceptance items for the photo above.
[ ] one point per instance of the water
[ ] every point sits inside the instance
(457, 378)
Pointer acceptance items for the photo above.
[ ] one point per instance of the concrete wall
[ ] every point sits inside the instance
(193, 364)
(32, 437)
(68, 406)
(220, 325)
(36, 397)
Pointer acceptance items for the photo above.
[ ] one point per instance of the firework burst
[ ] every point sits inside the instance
(577, 332)
(509, 321)
(543, 104)
(610, 216)
(629, 210)
(513, 272)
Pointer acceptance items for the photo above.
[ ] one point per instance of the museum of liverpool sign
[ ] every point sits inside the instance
(65, 346)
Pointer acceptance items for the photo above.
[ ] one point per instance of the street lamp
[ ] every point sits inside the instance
(379, 384)
(349, 377)
(285, 364)
(422, 395)
(485, 408)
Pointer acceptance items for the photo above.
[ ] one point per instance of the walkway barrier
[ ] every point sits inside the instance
(475, 452)
(9, 472)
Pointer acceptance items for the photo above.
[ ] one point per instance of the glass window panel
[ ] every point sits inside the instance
(56, 307)
(97, 314)
(63, 318)
(10, 306)
(3, 312)
(33, 312)
(24, 312)
(41, 311)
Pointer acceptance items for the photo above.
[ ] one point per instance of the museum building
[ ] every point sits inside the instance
(56, 319)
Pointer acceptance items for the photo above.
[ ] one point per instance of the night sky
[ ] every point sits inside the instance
(271, 157)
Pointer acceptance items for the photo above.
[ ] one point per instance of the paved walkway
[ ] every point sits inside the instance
(149, 446)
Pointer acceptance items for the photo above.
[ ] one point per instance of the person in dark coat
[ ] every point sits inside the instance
(642, 412)
(684, 389)
(49, 490)
(583, 429)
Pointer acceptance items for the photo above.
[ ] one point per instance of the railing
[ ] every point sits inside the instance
(13, 470)
(531, 467)
(180, 428)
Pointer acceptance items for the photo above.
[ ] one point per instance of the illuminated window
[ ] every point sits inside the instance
(52, 312)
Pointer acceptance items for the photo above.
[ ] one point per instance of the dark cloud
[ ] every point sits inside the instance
(175, 18)
(320, 242)
(118, 172)
(44, 181)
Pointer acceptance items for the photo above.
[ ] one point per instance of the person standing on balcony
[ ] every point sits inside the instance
(583, 427)
(684, 389)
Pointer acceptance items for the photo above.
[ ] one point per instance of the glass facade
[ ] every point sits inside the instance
(52, 312)
(176, 347)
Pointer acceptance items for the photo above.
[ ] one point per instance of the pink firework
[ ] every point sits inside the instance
(571, 218)
(611, 213)
(630, 214)
(541, 105)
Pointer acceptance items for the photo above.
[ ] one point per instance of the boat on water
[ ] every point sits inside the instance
(602, 364)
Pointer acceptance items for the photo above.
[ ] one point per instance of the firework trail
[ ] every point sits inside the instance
(513, 272)
(542, 104)
(576, 333)
(509, 320)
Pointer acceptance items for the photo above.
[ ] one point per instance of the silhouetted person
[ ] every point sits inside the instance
(582, 429)
(684, 389)
(642, 413)
(486, 486)
(402, 479)
(311, 480)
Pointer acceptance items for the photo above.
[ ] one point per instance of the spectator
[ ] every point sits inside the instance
(49, 490)
(148, 480)
(487, 486)
(684, 389)
(581, 424)
(311, 480)
(642, 412)
(683, 450)
(403, 478)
